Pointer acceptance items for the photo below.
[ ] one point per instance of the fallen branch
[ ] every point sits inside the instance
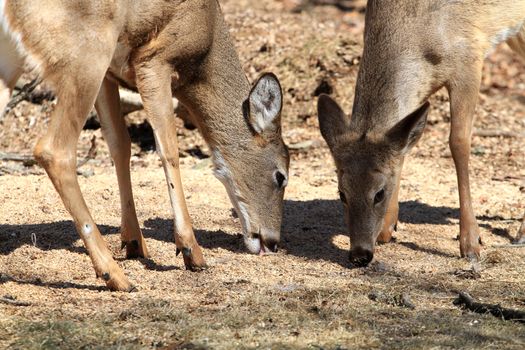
(8, 170)
(498, 133)
(26, 159)
(13, 301)
(466, 301)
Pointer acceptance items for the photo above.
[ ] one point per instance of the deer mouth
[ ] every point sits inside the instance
(256, 245)
(266, 251)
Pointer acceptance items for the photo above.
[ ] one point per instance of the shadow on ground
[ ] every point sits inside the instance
(415, 212)
(308, 231)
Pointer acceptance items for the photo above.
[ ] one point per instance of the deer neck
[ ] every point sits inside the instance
(385, 94)
(215, 97)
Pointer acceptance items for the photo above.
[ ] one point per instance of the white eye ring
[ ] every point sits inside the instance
(280, 179)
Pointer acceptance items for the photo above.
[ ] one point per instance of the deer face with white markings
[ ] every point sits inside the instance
(368, 166)
(255, 171)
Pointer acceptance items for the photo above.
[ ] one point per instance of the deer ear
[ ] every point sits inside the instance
(332, 120)
(265, 103)
(408, 131)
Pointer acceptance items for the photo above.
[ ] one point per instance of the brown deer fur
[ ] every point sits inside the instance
(86, 48)
(412, 48)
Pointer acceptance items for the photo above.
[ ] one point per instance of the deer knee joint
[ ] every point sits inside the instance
(44, 155)
(52, 158)
(459, 141)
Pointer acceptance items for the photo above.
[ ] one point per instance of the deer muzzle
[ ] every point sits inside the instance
(361, 257)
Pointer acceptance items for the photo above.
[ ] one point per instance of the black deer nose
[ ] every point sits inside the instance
(271, 244)
(361, 257)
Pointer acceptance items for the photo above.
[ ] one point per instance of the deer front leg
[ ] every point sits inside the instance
(117, 137)
(154, 81)
(392, 212)
(463, 98)
(56, 152)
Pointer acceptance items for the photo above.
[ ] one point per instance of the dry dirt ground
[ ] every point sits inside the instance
(306, 296)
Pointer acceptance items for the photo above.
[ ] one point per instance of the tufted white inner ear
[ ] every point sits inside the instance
(265, 102)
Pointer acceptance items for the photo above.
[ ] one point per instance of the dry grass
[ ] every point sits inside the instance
(307, 318)
(304, 297)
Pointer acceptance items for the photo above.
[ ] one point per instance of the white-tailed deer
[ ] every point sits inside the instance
(86, 48)
(412, 48)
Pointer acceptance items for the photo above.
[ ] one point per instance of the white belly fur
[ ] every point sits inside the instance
(10, 60)
(11, 63)
(13, 54)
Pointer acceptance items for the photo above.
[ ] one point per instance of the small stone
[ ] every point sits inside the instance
(203, 164)
(86, 173)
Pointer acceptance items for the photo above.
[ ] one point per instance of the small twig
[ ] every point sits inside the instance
(512, 245)
(506, 178)
(7, 170)
(466, 301)
(498, 133)
(516, 180)
(12, 301)
(24, 93)
(92, 153)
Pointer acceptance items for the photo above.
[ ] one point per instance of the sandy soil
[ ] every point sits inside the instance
(306, 296)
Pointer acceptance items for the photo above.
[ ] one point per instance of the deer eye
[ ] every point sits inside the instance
(342, 197)
(280, 179)
(380, 196)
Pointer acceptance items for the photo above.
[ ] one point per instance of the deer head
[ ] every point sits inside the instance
(255, 170)
(368, 165)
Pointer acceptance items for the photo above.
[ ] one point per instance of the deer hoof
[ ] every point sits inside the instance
(115, 282)
(193, 258)
(135, 249)
(471, 251)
